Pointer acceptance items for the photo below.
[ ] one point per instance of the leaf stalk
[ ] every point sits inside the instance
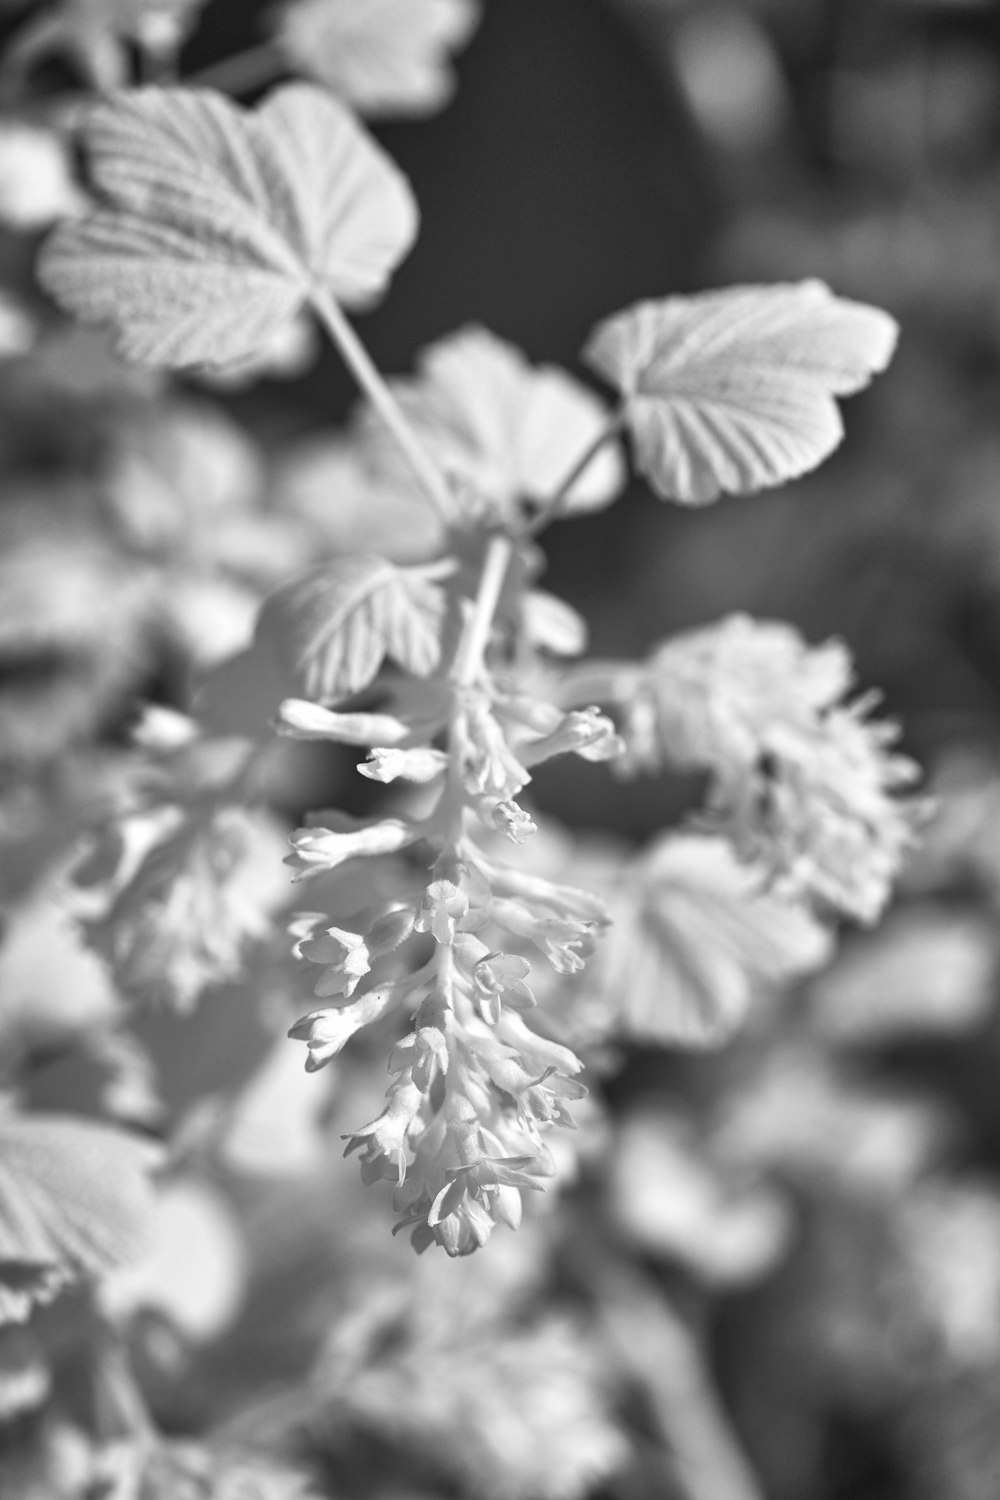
(246, 70)
(556, 502)
(372, 383)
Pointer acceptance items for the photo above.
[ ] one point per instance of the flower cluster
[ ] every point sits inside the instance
(802, 783)
(474, 1087)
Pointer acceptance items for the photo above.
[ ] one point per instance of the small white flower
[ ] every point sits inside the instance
(344, 955)
(502, 977)
(420, 765)
(584, 731)
(317, 849)
(326, 1031)
(302, 720)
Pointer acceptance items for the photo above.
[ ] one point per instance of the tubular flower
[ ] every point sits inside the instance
(322, 847)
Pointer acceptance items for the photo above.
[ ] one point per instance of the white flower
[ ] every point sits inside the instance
(445, 910)
(421, 764)
(344, 955)
(302, 720)
(502, 978)
(326, 1031)
(584, 731)
(385, 1140)
(317, 849)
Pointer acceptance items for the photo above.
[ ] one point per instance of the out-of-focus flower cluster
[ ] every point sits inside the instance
(802, 783)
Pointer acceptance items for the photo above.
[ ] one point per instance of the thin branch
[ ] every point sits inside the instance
(360, 364)
(658, 1348)
(654, 1347)
(245, 70)
(556, 502)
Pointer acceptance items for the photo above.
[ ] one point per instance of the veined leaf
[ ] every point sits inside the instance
(733, 391)
(75, 1201)
(386, 57)
(219, 223)
(334, 627)
(693, 938)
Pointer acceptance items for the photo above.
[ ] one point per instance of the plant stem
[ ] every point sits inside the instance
(476, 634)
(121, 1406)
(652, 1345)
(243, 71)
(557, 500)
(360, 364)
(662, 1350)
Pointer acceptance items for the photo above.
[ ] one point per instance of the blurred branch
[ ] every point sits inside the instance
(655, 1348)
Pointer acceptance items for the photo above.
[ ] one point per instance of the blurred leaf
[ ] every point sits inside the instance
(334, 627)
(141, 1470)
(950, 1233)
(25, 1379)
(386, 57)
(733, 390)
(194, 1272)
(220, 223)
(506, 430)
(674, 1202)
(926, 971)
(692, 939)
(75, 1201)
(805, 1118)
(552, 624)
(53, 990)
(374, 512)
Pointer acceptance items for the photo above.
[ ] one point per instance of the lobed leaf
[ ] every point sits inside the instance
(733, 391)
(694, 938)
(218, 223)
(75, 1201)
(333, 627)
